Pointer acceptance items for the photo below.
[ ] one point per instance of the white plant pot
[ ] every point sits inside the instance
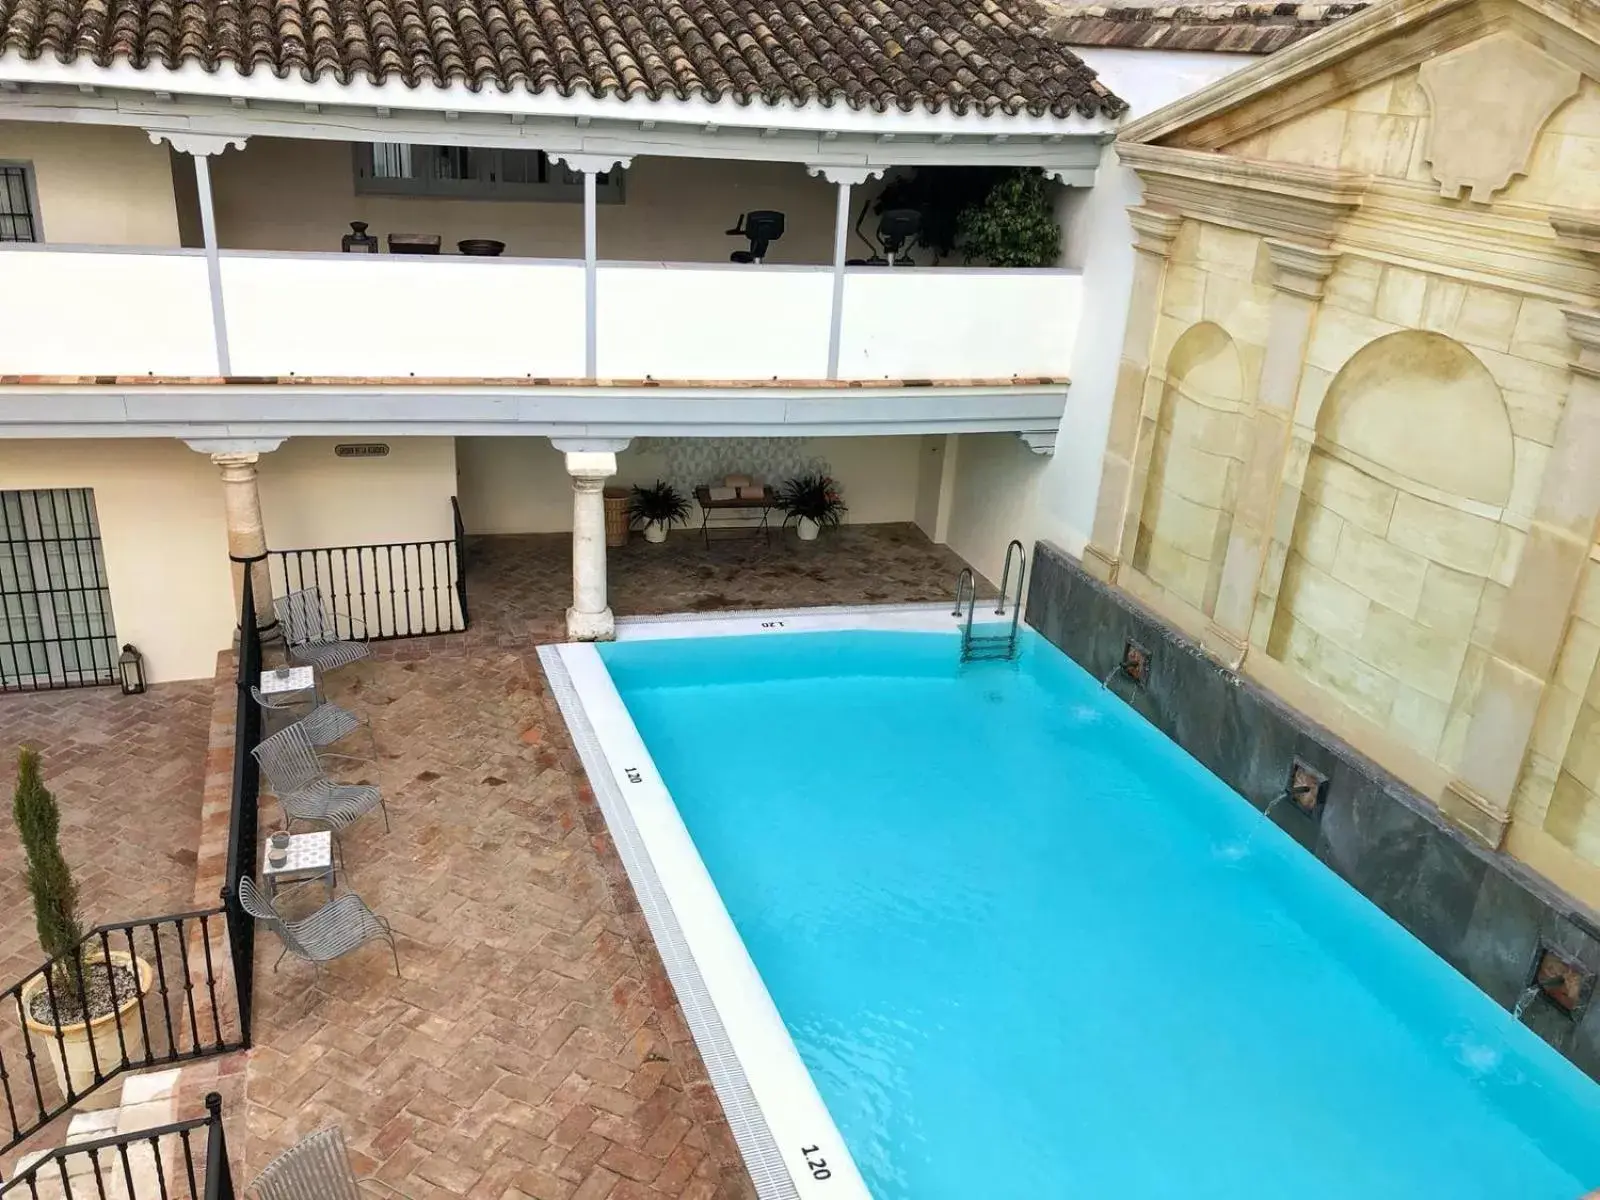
(807, 529)
(655, 532)
(70, 1056)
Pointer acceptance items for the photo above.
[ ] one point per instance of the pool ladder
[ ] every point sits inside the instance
(991, 647)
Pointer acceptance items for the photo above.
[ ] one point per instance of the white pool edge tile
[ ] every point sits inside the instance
(779, 1121)
(909, 618)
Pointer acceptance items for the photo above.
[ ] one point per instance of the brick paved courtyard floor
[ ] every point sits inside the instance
(534, 1049)
(127, 773)
(520, 586)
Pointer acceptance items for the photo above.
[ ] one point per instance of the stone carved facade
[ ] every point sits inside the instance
(1355, 443)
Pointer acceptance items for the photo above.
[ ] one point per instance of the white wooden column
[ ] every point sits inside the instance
(241, 504)
(590, 463)
(200, 147)
(844, 178)
(591, 166)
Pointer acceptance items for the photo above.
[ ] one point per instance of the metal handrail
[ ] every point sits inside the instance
(180, 1182)
(967, 585)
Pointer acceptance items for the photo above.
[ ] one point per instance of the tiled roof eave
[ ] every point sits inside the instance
(985, 65)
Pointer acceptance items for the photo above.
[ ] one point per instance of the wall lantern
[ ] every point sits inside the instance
(131, 667)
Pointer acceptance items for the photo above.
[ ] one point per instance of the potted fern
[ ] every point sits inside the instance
(657, 508)
(84, 993)
(812, 502)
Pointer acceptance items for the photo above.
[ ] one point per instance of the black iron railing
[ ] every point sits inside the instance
(461, 561)
(169, 989)
(394, 590)
(243, 815)
(152, 1164)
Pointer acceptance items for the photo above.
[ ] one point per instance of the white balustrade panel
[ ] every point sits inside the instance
(98, 312)
(934, 323)
(713, 321)
(377, 315)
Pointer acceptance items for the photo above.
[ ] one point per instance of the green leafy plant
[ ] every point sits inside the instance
(659, 504)
(812, 497)
(1014, 226)
(55, 895)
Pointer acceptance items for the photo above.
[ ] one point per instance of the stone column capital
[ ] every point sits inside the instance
(1300, 270)
(223, 448)
(1154, 229)
(1583, 327)
(590, 469)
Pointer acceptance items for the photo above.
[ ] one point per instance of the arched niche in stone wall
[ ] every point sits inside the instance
(1386, 593)
(1195, 464)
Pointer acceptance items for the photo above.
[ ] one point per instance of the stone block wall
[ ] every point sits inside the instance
(1403, 268)
(1479, 910)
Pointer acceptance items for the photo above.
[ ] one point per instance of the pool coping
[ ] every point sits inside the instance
(771, 1102)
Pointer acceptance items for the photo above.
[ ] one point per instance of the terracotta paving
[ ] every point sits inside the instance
(533, 1049)
(521, 585)
(127, 773)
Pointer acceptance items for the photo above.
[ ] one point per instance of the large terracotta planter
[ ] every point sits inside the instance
(77, 1064)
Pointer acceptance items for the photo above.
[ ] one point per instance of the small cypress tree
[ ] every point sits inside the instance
(55, 895)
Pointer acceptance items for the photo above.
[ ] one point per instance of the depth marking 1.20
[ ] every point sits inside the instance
(772, 624)
(815, 1163)
(634, 774)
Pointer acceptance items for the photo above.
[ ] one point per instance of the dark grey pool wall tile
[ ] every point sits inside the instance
(1480, 911)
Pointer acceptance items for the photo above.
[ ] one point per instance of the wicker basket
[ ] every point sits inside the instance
(616, 516)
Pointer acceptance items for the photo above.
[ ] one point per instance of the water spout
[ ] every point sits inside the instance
(1115, 671)
(1529, 994)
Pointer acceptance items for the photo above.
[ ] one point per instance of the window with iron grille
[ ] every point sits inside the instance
(55, 607)
(19, 218)
(471, 172)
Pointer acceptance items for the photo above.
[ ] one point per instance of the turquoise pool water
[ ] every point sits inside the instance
(1029, 949)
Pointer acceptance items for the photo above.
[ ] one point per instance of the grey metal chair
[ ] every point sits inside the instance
(311, 631)
(317, 1167)
(297, 777)
(343, 924)
(324, 723)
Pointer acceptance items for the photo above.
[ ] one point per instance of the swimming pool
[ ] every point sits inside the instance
(1026, 947)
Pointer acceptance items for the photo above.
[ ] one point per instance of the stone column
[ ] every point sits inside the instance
(1534, 621)
(201, 147)
(241, 505)
(1298, 276)
(590, 463)
(1154, 232)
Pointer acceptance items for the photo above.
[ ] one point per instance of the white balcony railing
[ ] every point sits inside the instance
(87, 311)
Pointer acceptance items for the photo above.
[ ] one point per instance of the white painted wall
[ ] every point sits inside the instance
(311, 497)
(520, 485)
(1099, 238)
(164, 536)
(995, 482)
(704, 322)
(97, 185)
(71, 312)
(926, 322)
(349, 314)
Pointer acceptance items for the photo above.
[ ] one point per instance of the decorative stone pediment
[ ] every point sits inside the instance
(1300, 204)
(1488, 102)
